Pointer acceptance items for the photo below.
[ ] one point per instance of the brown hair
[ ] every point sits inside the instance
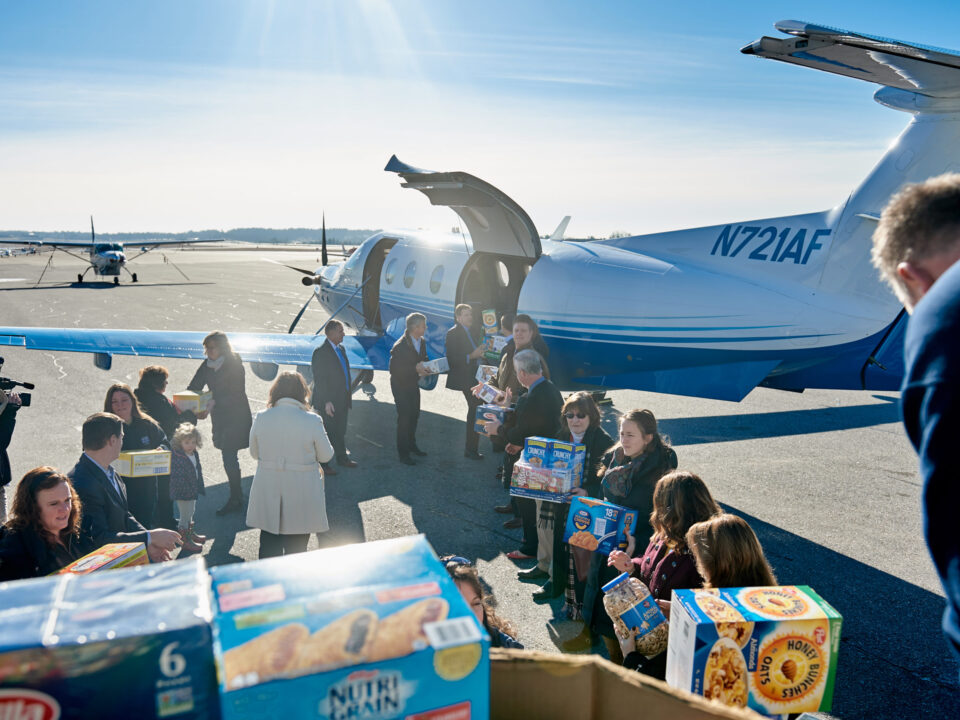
(220, 341)
(529, 322)
(680, 499)
(463, 573)
(184, 431)
(99, 428)
(460, 308)
(920, 221)
(136, 413)
(25, 511)
(728, 553)
(645, 420)
(582, 401)
(152, 378)
(288, 385)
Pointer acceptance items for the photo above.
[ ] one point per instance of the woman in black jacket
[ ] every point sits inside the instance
(223, 373)
(140, 432)
(630, 474)
(43, 533)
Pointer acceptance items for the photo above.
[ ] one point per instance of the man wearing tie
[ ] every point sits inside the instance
(331, 391)
(106, 516)
(463, 350)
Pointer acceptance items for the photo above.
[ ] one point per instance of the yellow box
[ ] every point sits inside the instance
(196, 402)
(114, 555)
(143, 463)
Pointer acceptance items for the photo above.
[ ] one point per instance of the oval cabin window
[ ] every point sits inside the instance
(391, 272)
(436, 279)
(409, 274)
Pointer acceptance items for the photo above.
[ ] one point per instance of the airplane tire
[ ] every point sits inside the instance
(134, 277)
(116, 281)
(79, 279)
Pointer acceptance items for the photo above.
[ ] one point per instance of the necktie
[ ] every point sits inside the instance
(343, 364)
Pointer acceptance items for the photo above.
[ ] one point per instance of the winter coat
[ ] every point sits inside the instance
(186, 481)
(24, 553)
(231, 410)
(161, 408)
(287, 495)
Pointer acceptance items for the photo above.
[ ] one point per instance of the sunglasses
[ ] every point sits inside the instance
(571, 416)
(452, 561)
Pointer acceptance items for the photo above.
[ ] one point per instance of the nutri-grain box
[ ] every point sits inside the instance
(598, 526)
(373, 630)
(130, 643)
(772, 649)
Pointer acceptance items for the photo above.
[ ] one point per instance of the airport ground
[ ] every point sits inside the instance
(826, 478)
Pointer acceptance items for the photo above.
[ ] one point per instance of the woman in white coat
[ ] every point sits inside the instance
(287, 500)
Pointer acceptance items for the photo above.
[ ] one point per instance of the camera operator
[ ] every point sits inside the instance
(9, 404)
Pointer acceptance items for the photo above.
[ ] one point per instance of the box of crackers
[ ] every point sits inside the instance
(109, 557)
(542, 483)
(770, 649)
(485, 373)
(143, 463)
(488, 413)
(373, 630)
(189, 400)
(131, 643)
(440, 365)
(598, 525)
(495, 343)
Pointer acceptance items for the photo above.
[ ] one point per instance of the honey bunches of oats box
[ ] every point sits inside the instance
(772, 649)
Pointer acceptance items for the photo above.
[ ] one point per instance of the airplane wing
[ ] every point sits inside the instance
(252, 347)
(48, 243)
(154, 243)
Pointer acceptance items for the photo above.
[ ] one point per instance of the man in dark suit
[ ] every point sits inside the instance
(406, 368)
(463, 349)
(537, 415)
(331, 391)
(106, 516)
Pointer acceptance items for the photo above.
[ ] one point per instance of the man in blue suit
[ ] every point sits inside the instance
(106, 516)
(331, 391)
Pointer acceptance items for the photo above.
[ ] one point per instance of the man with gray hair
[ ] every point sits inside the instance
(916, 248)
(407, 357)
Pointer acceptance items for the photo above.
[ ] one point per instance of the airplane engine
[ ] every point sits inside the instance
(265, 370)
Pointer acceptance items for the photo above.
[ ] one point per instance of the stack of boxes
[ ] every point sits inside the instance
(548, 469)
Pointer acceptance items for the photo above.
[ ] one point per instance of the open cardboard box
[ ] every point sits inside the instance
(527, 685)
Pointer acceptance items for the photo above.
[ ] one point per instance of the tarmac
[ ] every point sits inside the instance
(826, 478)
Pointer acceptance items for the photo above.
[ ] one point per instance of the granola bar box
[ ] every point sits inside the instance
(131, 643)
(109, 557)
(771, 649)
(373, 630)
(598, 525)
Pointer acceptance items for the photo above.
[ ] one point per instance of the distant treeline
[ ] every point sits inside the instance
(263, 236)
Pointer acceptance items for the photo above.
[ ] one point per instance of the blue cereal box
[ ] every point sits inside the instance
(373, 630)
(536, 451)
(568, 456)
(771, 649)
(598, 526)
(132, 643)
(489, 413)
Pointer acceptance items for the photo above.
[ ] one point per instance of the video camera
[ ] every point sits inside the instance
(7, 384)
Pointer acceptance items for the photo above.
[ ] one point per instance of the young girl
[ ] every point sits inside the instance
(186, 482)
(468, 583)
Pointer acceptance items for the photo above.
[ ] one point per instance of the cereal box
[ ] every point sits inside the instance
(542, 483)
(488, 413)
(440, 365)
(132, 643)
(111, 556)
(772, 649)
(488, 393)
(495, 343)
(374, 630)
(485, 373)
(536, 451)
(196, 402)
(143, 463)
(568, 456)
(598, 525)
(489, 318)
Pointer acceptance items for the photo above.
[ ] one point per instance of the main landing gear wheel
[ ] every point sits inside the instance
(134, 277)
(116, 281)
(79, 279)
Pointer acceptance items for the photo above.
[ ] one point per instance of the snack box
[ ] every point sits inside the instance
(489, 318)
(486, 413)
(488, 393)
(485, 373)
(598, 525)
(536, 451)
(111, 556)
(542, 483)
(143, 463)
(772, 649)
(495, 343)
(373, 630)
(440, 365)
(568, 456)
(132, 643)
(188, 400)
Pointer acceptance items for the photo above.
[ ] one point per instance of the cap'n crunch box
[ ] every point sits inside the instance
(598, 525)
(108, 557)
(772, 649)
(373, 630)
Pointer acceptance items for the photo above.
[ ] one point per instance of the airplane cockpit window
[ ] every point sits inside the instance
(391, 272)
(436, 279)
(102, 248)
(409, 274)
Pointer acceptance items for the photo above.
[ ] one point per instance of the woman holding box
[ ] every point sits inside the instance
(140, 432)
(43, 533)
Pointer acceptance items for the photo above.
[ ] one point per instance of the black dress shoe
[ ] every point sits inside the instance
(513, 523)
(408, 460)
(347, 463)
(547, 592)
(504, 509)
(533, 573)
(329, 470)
(233, 505)
(418, 451)
(473, 455)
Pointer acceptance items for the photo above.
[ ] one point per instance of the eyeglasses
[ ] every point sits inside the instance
(571, 416)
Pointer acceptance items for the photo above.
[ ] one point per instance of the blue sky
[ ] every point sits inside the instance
(630, 116)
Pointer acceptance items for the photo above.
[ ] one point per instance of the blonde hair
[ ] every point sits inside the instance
(184, 431)
(728, 553)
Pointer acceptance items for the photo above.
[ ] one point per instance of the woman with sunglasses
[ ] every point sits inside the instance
(43, 532)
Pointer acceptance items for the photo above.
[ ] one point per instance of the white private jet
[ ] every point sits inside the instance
(106, 259)
(788, 302)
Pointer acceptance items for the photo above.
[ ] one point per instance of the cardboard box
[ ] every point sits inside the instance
(536, 451)
(528, 685)
(495, 343)
(109, 557)
(781, 642)
(542, 483)
(143, 463)
(487, 413)
(606, 523)
(132, 643)
(485, 373)
(440, 365)
(196, 402)
(567, 456)
(374, 630)
(488, 393)
(489, 319)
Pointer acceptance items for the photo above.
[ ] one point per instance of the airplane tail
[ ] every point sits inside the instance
(557, 235)
(923, 81)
